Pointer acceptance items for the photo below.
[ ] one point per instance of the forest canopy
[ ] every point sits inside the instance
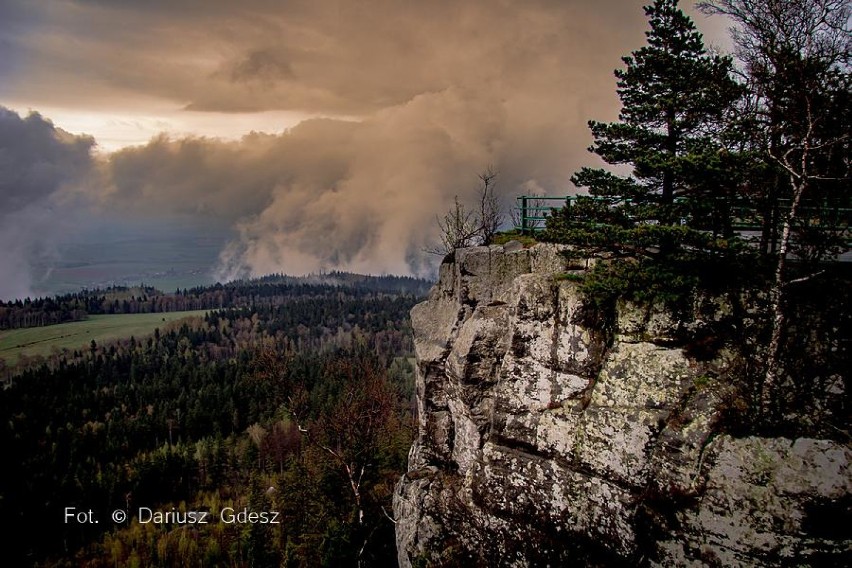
(268, 404)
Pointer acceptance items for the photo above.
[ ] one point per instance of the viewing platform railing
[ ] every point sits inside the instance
(744, 219)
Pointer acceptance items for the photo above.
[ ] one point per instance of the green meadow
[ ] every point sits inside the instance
(79, 334)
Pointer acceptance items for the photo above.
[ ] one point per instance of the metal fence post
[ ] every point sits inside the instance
(523, 214)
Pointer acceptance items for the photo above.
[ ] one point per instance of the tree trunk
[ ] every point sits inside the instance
(768, 395)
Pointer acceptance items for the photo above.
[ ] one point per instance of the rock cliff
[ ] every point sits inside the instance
(548, 436)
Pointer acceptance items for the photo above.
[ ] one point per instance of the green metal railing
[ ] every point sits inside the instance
(527, 204)
(532, 213)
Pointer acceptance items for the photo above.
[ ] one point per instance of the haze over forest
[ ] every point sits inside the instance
(181, 142)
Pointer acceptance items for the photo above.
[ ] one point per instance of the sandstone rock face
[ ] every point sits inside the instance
(544, 440)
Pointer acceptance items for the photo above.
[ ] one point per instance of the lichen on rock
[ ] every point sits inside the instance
(543, 440)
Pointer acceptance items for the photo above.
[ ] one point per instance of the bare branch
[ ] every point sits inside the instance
(804, 278)
(461, 227)
(490, 215)
(796, 54)
(391, 519)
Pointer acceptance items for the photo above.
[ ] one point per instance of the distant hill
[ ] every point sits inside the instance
(266, 290)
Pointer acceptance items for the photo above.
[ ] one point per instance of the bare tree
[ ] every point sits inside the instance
(462, 227)
(458, 229)
(490, 213)
(797, 56)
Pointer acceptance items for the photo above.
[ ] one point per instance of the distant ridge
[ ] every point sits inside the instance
(263, 290)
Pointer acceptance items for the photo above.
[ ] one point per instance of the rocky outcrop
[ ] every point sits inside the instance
(549, 437)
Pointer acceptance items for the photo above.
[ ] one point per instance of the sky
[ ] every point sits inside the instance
(305, 135)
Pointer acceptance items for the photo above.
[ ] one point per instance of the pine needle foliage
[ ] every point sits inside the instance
(670, 216)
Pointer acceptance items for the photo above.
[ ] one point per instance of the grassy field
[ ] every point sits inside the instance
(79, 334)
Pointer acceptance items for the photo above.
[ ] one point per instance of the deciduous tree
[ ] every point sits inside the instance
(796, 57)
(462, 226)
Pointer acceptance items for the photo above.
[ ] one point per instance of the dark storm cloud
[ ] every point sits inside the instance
(327, 57)
(432, 93)
(326, 194)
(437, 90)
(41, 169)
(261, 65)
(226, 180)
(36, 159)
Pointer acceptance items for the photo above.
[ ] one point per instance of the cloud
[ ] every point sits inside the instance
(436, 92)
(37, 159)
(41, 169)
(422, 96)
(328, 193)
(325, 57)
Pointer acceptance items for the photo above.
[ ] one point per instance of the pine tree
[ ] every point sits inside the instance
(675, 96)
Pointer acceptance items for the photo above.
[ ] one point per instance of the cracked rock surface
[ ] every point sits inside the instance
(544, 440)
